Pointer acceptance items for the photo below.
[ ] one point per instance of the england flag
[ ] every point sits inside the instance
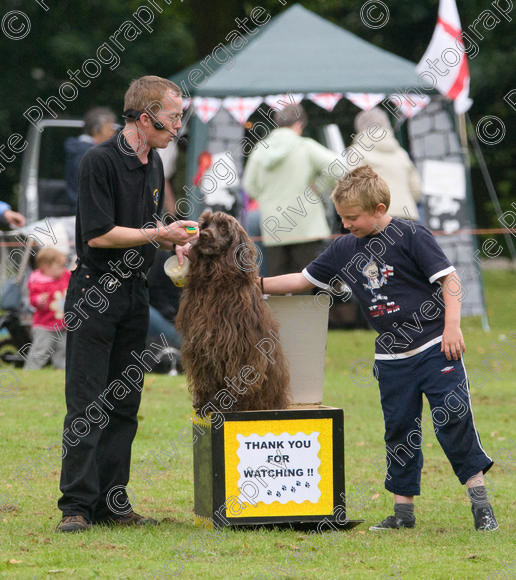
(444, 61)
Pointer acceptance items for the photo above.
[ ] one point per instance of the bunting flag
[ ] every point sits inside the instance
(206, 107)
(241, 108)
(365, 101)
(410, 105)
(444, 54)
(325, 100)
(280, 101)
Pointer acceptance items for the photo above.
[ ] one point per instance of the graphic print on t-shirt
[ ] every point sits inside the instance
(408, 268)
(376, 278)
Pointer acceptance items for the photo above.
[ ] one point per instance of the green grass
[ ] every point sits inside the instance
(444, 545)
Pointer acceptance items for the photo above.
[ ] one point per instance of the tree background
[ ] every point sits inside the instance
(68, 33)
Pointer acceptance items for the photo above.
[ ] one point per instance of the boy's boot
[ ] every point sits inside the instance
(403, 518)
(482, 511)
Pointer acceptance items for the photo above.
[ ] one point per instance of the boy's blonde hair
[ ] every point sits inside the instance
(146, 90)
(47, 256)
(362, 187)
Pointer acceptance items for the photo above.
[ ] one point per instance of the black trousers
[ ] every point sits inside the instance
(104, 379)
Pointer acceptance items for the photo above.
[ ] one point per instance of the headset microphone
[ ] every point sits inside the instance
(134, 114)
(131, 114)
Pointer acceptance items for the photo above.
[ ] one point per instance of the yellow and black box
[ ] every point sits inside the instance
(270, 467)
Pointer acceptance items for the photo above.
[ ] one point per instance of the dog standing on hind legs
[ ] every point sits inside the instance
(222, 317)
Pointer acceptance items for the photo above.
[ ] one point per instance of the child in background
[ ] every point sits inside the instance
(47, 290)
(412, 296)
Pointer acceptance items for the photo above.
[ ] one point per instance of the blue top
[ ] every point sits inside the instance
(75, 148)
(393, 275)
(4, 207)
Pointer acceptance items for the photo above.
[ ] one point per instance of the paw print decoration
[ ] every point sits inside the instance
(285, 489)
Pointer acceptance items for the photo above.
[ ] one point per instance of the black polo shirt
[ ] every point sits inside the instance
(117, 189)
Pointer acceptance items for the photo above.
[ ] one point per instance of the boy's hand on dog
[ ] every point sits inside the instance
(176, 233)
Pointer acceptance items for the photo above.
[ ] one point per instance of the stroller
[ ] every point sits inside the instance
(15, 311)
(15, 326)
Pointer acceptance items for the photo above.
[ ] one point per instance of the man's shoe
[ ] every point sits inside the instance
(484, 519)
(393, 523)
(134, 519)
(73, 524)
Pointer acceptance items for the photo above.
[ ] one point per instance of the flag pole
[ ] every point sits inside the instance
(489, 182)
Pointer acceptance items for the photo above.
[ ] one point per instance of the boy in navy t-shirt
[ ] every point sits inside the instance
(411, 295)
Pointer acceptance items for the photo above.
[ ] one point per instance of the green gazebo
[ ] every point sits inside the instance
(301, 53)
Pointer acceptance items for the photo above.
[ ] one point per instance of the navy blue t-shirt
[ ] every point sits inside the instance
(393, 275)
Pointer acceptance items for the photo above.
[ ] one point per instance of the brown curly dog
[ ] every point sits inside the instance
(223, 316)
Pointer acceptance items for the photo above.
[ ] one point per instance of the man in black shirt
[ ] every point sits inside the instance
(106, 311)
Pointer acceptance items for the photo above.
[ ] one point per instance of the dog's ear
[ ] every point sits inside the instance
(244, 252)
(239, 235)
